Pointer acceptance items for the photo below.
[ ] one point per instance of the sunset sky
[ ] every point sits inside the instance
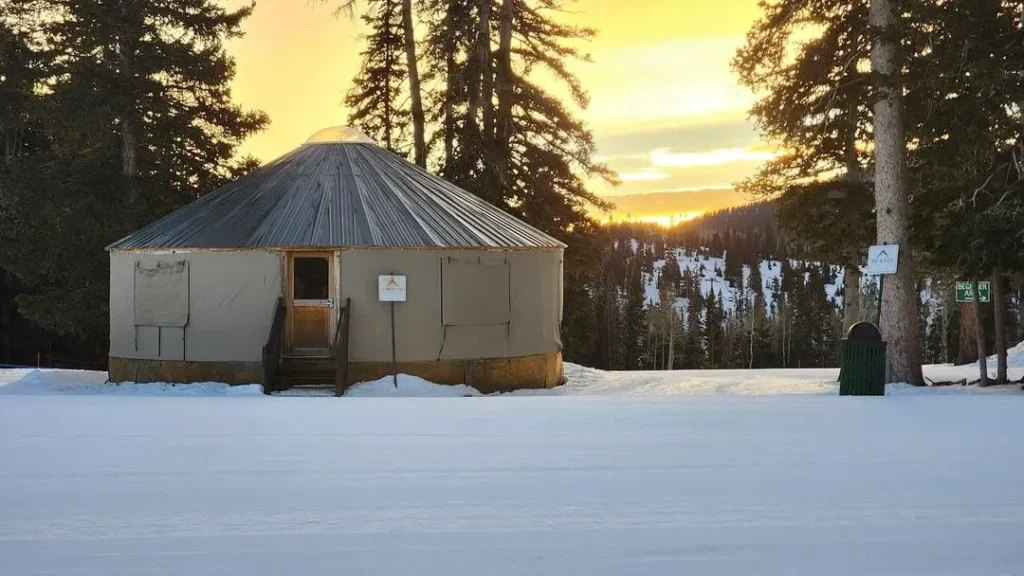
(665, 109)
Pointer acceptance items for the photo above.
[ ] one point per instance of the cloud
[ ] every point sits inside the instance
(643, 176)
(665, 158)
(726, 132)
(680, 204)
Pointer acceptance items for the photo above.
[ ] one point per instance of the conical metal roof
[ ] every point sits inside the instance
(338, 190)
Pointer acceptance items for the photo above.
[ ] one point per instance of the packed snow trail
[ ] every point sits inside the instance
(502, 485)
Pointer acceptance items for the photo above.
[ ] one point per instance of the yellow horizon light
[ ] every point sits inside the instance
(663, 220)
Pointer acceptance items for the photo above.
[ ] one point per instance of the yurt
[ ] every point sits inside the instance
(338, 254)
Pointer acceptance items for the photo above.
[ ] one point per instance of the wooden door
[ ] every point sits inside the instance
(311, 302)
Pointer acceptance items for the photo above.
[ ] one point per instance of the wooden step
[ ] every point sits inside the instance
(306, 373)
(311, 365)
(306, 378)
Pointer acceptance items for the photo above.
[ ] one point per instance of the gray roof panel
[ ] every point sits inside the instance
(331, 195)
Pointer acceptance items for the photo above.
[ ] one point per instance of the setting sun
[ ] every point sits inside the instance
(664, 220)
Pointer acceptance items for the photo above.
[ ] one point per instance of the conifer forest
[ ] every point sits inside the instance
(896, 122)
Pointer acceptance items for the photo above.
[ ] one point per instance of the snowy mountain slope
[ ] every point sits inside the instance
(711, 270)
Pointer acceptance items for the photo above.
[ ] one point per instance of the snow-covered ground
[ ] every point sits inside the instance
(581, 381)
(764, 472)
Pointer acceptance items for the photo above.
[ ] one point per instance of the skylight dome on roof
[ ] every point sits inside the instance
(340, 135)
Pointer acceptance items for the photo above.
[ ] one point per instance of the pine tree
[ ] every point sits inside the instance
(670, 273)
(732, 271)
(761, 342)
(136, 120)
(755, 283)
(377, 99)
(449, 38)
(714, 336)
(967, 126)
(634, 316)
(550, 152)
(899, 326)
(693, 353)
(580, 337)
(20, 72)
(814, 103)
(419, 150)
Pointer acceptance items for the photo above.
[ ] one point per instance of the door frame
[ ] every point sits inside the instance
(290, 301)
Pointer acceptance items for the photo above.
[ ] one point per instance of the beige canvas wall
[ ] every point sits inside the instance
(231, 297)
(529, 325)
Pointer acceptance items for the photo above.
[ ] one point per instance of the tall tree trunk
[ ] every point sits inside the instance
(999, 302)
(128, 122)
(782, 321)
(982, 354)
(503, 134)
(487, 84)
(944, 326)
(854, 175)
(390, 65)
(471, 128)
(415, 96)
(851, 297)
(656, 331)
(6, 319)
(966, 348)
(753, 310)
(671, 337)
(899, 302)
(449, 96)
(12, 143)
(129, 145)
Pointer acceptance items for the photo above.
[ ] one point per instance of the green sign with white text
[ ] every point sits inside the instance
(965, 293)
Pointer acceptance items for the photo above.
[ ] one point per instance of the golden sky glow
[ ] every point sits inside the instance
(665, 109)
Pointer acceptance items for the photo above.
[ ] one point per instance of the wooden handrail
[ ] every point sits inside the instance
(340, 348)
(274, 348)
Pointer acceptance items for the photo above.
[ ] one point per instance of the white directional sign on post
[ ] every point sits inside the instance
(883, 259)
(391, 288)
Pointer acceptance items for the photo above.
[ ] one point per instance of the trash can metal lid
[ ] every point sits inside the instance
(864, 332)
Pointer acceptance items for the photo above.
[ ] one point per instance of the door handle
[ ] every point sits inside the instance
(330, 302)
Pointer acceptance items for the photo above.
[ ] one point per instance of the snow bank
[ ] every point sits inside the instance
(86, 382)
(409, 387)
(581, 381)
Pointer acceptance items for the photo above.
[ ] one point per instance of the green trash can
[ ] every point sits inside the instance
(862, 362)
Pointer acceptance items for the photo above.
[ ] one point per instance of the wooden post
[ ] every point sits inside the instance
(998, 303)
(881, 290)
(394, 354)
(980, 332)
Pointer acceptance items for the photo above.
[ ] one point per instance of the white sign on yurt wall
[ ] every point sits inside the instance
(391, 288)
